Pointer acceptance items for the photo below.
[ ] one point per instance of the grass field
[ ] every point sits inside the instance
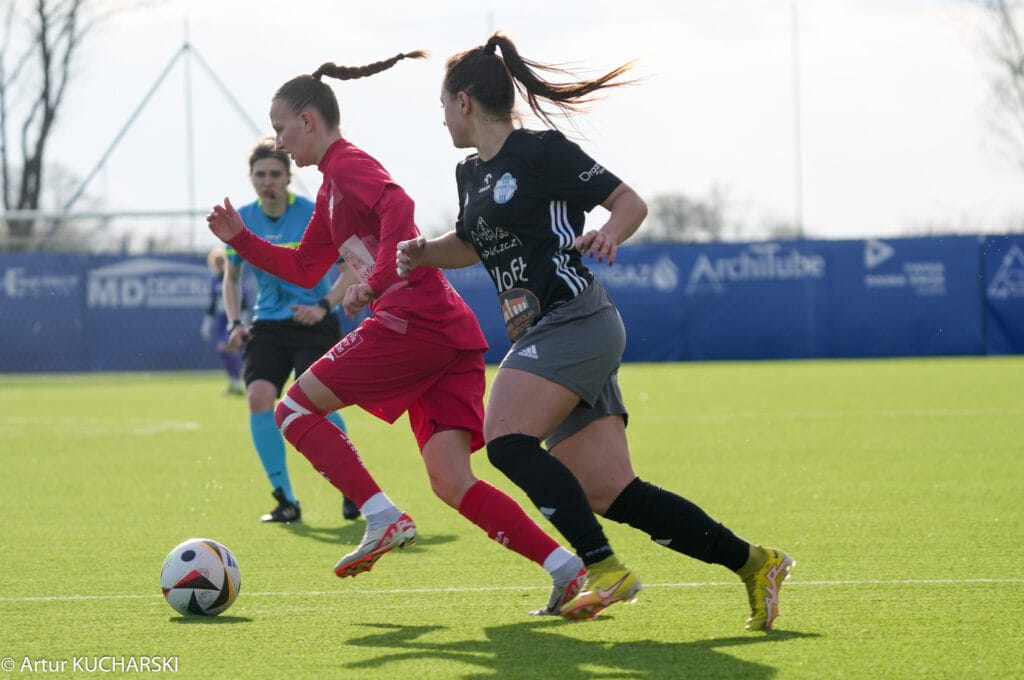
(897, 485)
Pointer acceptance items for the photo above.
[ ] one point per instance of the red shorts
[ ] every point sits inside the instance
(387, 374)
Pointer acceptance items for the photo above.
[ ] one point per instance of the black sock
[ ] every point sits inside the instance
(676, 523)
(554, 490)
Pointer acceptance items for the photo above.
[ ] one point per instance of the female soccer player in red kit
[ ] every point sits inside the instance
(421, 351)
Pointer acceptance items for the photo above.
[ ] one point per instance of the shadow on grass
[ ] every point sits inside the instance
(536, 649)
(337, 534)
(351, 533)
(195, 620)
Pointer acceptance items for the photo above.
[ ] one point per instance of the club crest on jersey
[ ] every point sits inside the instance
(505, 188)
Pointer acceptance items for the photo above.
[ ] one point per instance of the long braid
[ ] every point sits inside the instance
(332, 70)
(310, 90)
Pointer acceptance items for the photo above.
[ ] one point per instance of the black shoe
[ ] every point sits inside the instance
(285, 511)
(349, 510)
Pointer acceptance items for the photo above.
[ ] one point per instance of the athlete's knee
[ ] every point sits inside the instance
(290, 411)
(446, 457)
(261, 394)
(448, 487)
(512, 452)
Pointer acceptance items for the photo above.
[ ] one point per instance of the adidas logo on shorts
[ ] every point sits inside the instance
(528, 352)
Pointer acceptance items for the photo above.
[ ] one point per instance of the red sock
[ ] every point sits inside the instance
(506, 522)
(325, 446)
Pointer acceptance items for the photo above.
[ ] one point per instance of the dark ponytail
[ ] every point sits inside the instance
(493, 79)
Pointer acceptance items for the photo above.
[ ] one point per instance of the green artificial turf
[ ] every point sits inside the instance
(895, 484)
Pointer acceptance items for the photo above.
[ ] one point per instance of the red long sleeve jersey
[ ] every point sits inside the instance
(362, 214)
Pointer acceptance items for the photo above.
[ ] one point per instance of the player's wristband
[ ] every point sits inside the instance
(234, 324)
(322, 302)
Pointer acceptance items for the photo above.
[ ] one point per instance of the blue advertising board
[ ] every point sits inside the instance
(961, 295)
(903, 297)
(1004, 294)
(782, 300)
(88, 313)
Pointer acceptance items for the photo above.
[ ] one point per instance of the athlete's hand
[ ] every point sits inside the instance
(238, 336)
(308, 315)
(357, 296)
(596, 243)
(224, 221)
(409, 254)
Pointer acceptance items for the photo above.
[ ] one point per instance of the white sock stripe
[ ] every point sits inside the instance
(294, 405)
(296, 411)
(288, 421)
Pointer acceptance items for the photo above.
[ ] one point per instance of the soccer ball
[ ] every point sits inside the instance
(200, 576)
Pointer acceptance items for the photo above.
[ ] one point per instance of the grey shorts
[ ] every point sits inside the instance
(578, 345)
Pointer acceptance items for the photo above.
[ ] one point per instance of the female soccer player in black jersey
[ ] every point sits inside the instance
(522, 197)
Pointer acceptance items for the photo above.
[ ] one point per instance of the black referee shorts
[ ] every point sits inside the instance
(276, 349)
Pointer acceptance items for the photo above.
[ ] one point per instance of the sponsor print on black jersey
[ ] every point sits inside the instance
(490, 242)
(519, 307)
(595, 171)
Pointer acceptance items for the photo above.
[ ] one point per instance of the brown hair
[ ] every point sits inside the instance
(492, 80)
(267, 148)
(309, 91)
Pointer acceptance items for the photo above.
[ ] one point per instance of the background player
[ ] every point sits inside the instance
(215, 322)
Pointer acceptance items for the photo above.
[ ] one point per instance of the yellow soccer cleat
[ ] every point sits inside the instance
(763, 575)
(608, 581)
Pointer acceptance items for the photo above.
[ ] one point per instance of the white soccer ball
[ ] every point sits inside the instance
(200, 576)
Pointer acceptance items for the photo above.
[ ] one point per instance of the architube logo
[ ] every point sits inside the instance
(760, 262)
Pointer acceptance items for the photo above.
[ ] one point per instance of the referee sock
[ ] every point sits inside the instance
(338, 421)
(506, 522)
(676, 523)
(553, 490)
(270, 447)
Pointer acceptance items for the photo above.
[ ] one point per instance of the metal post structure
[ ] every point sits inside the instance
(190, 150)
(189, 52)
(798, 180)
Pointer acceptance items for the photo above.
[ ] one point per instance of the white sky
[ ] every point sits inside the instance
(894, 109)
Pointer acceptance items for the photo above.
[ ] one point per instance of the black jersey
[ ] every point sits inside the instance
(522, 211)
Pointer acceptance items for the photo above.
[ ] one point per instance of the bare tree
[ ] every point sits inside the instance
(1005, 38)
(677, 217)
(33, 82)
